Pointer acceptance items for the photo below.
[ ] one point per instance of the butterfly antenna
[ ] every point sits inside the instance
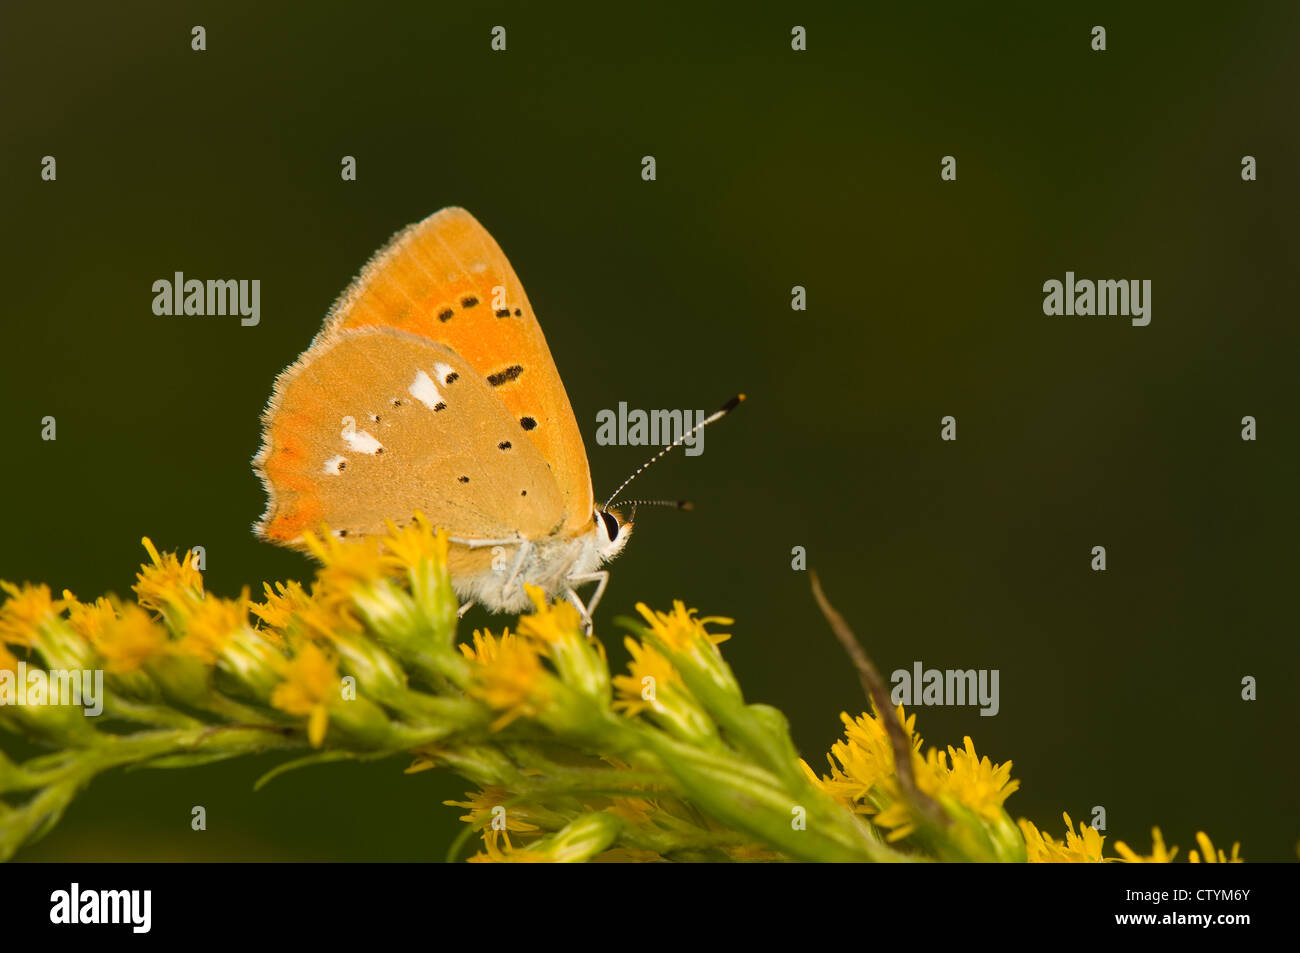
(675, 504)
(718, 414)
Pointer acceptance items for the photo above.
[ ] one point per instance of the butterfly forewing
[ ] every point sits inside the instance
(447, 280)
(377, 424)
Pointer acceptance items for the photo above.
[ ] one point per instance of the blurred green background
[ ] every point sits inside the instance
(1119, 689)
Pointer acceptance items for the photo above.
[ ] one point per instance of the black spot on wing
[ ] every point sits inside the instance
(445, 314)
(528, 423)
(503, 376)
(468, 301)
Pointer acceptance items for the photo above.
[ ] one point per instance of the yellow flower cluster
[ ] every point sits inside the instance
(175, 636)
(1085, 847)
(510, 677)
(523, 674)
(666, 761)
(863, 775)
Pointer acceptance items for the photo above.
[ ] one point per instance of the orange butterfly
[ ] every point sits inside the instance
(430, 388)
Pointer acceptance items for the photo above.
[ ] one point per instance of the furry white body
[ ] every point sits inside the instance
(556, 565)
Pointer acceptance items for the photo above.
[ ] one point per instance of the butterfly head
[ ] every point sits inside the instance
(612, 532)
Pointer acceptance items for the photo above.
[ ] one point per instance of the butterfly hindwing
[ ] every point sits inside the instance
(447, 280)
(377, 424)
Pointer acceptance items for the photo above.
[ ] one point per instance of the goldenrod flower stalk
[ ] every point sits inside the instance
(654, 689)
(666, 762)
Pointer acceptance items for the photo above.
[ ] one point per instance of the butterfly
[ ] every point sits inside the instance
(430, 389)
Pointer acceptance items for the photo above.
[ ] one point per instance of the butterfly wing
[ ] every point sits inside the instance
(376, 424)
(447, 280)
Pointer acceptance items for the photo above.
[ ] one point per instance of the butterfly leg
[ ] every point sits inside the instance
(480, 543)
(573, 597)
(460, 613)
(601, 579)
(517, 568)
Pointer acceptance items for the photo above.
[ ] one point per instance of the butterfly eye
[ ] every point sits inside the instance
(611, 526)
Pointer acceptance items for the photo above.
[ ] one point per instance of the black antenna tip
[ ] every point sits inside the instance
(685, 505)
(732, 404)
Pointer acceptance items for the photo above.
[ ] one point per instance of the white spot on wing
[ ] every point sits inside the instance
(443, 371)
(361, 441)
(334, 465)
(425, 390)
(478, 267)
